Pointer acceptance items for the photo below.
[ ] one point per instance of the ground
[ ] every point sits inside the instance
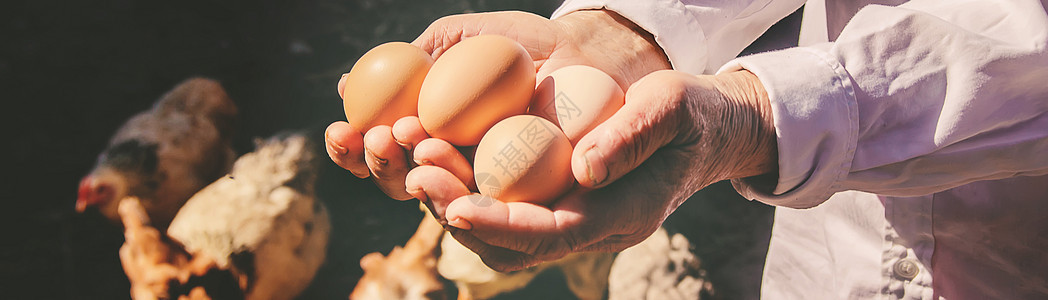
(72, 71)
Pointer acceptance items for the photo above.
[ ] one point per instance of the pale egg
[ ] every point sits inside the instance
(577, 98)
(524, 158)
(473, 85)
(384, 84)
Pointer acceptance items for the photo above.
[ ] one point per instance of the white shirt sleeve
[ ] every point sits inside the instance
(698, 36)
(909, 100)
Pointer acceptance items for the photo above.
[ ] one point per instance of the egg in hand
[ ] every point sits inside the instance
(524, 158)
(577, 98)
(384, 85)
(473, 85)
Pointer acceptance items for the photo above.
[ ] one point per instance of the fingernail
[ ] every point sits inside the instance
(460, 223)
(379, 160)
(336, 147)
(342, 85)
(360, 175)
(424, 162)
(595, 167)
(406, 146)
(419, 193)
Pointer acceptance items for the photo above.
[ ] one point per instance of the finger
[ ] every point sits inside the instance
(345, 147)
(519, 226)
(498, 259)
(441, 34)
(408, 132)
(342, 85)
(646, 122)
(387, 161)
(440, 153)
(435, 185)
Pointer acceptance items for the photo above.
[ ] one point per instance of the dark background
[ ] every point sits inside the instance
(71, 72)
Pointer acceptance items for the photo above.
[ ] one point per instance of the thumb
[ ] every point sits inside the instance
(648, 120)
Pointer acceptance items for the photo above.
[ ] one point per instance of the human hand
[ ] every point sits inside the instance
(597, 38)
(676, 134)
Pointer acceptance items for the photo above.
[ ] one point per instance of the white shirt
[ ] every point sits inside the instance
(912, 139)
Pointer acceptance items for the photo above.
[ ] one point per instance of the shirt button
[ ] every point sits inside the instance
(906, 269)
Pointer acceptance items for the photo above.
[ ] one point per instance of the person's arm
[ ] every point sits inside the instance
(698, 36)
(909, 100)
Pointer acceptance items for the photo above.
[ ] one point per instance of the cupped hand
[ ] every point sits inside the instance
(598, 38)
(676, 134)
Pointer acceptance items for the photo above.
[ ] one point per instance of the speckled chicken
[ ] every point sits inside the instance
(262, 222)
(166, 154)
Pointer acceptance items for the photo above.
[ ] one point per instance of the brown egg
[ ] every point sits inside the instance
(473, 85)
(383, 85)
(577, 98)
(524, 158)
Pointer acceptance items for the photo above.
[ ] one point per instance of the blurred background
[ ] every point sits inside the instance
(71, 72)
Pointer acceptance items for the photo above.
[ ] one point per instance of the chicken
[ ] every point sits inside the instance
(586, 273)
(166, 154)
(406, 273)
(262, 223)
(156, 267)
(660, 267)
(431, 256)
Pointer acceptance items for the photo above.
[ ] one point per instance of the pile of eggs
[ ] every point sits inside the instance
(482, 92)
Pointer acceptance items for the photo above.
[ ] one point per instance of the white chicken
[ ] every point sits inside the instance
(660, 267)
(262, 221)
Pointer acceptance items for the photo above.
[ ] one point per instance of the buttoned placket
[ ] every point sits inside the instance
(909, 243)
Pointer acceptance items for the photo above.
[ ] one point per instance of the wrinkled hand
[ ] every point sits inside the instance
(597, 38)
(676, 134)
